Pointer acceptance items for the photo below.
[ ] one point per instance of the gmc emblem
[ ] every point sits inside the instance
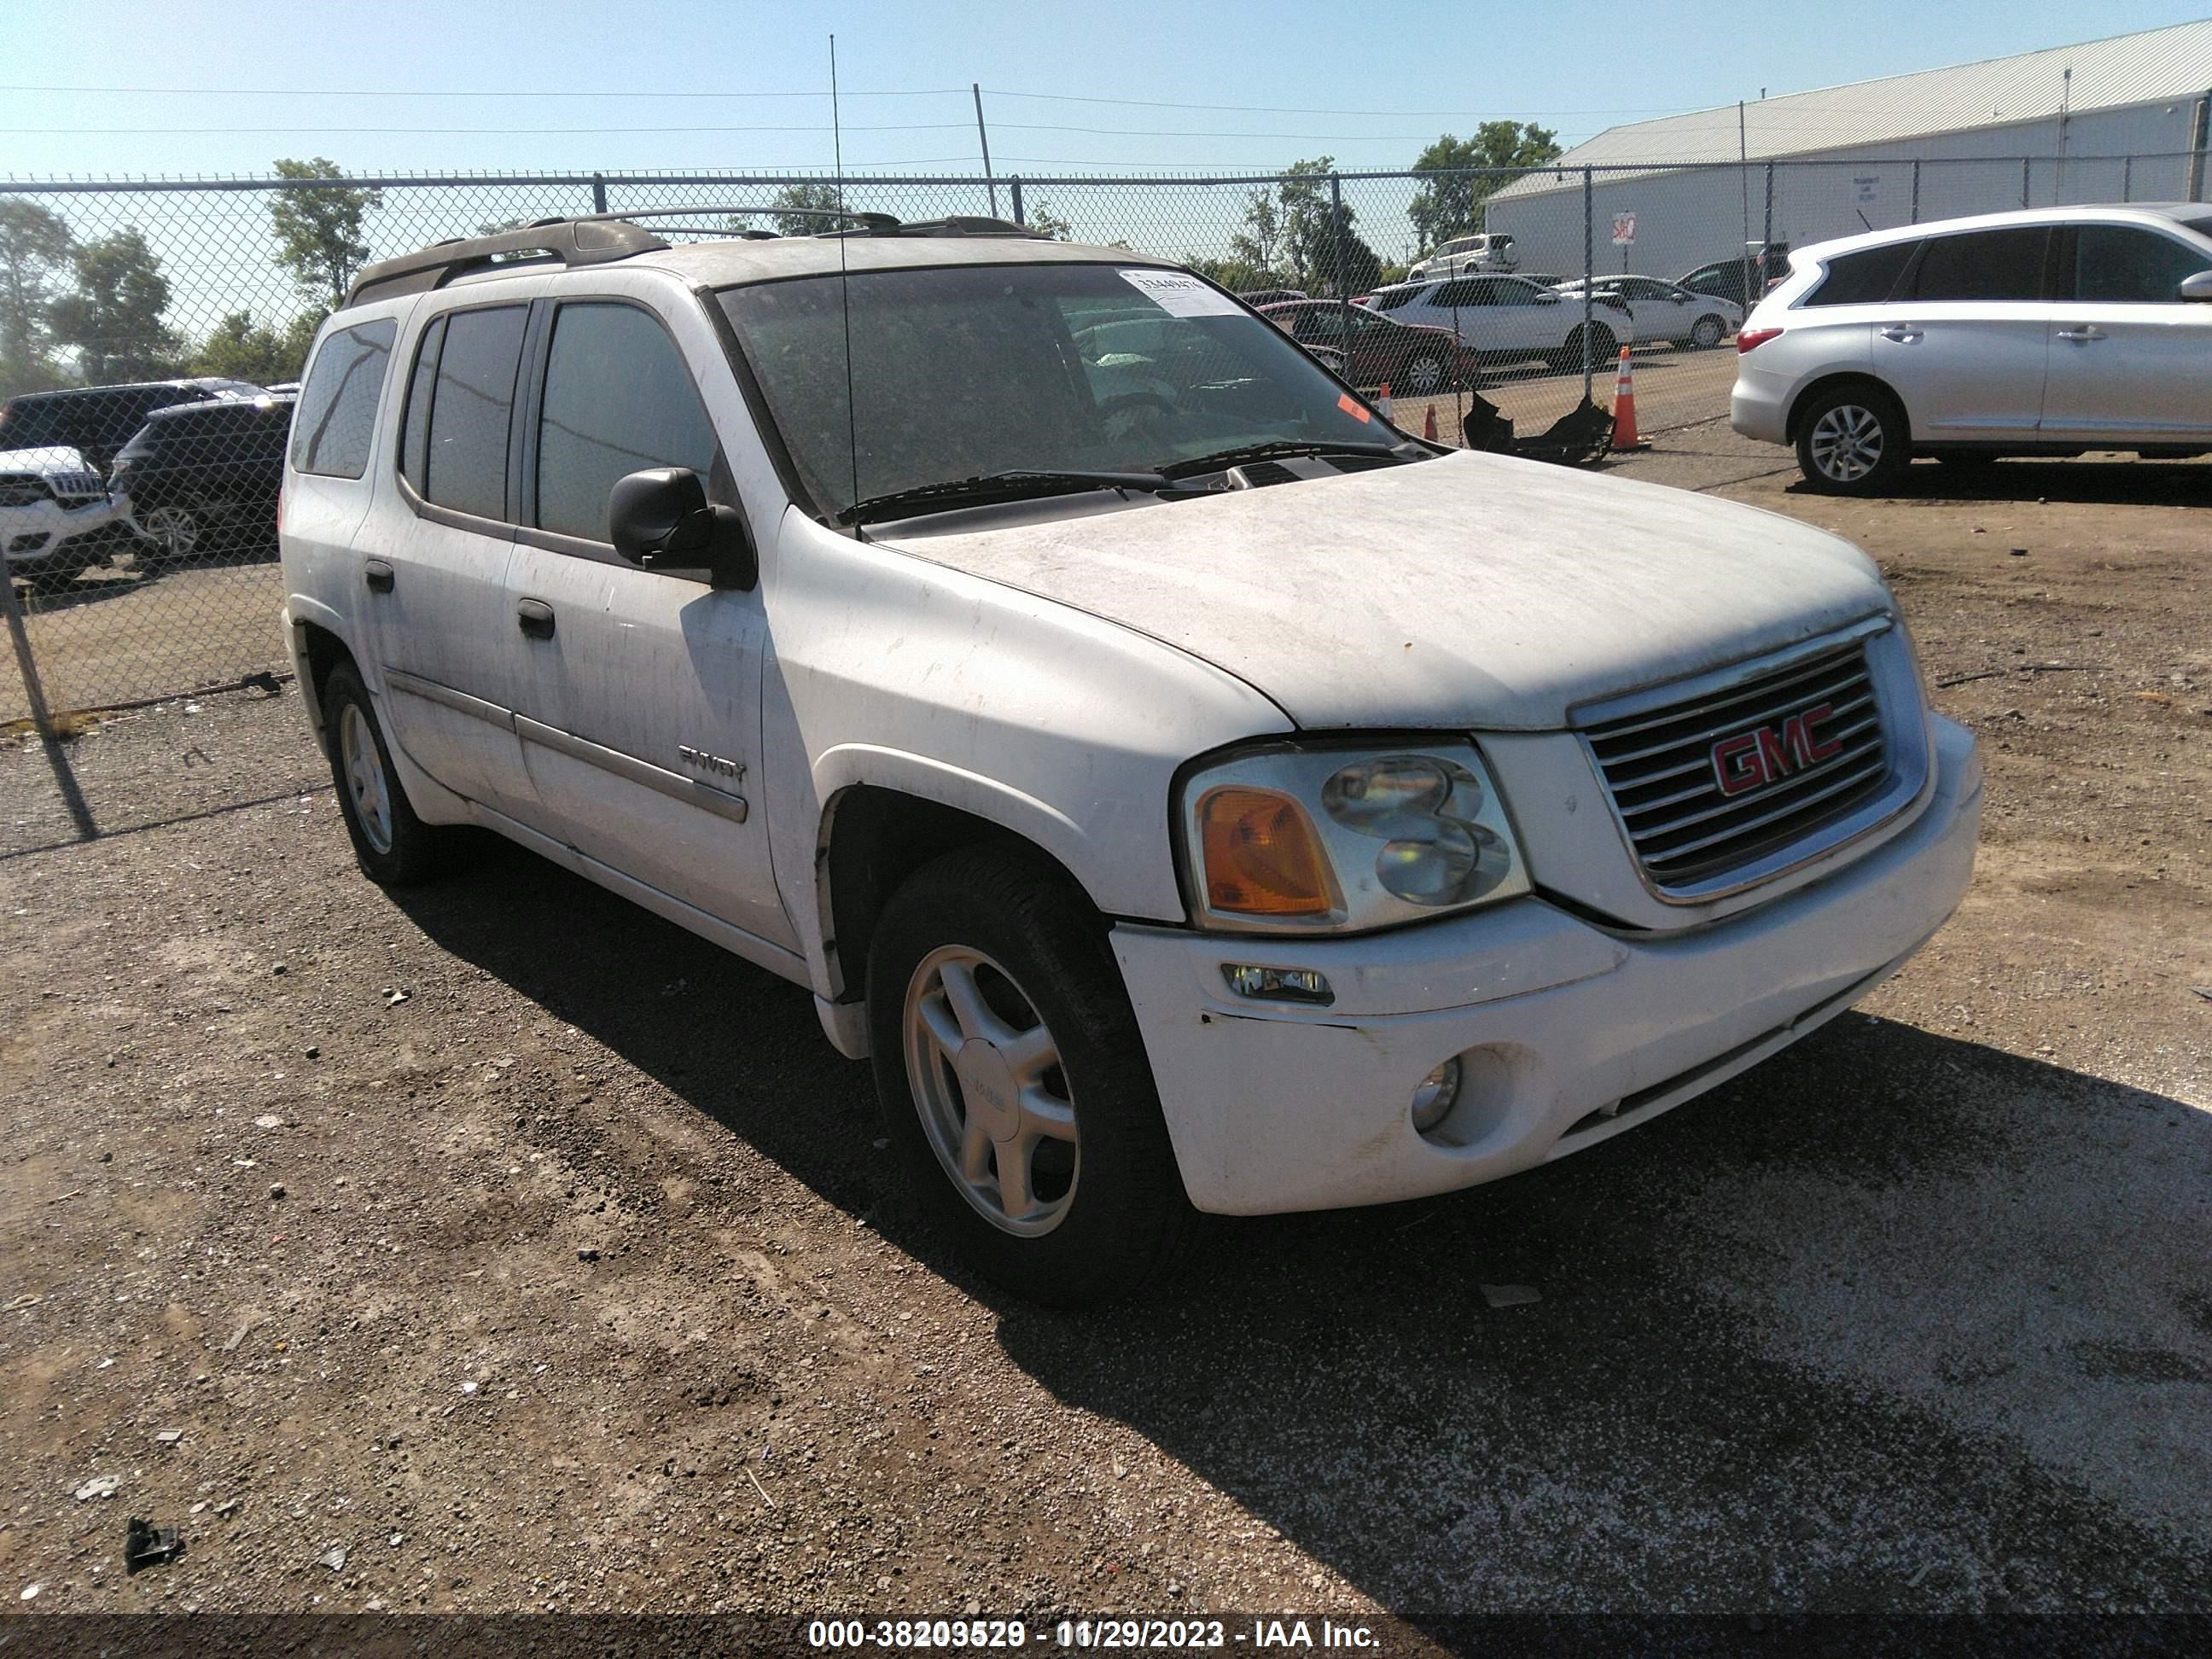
(1767, 754)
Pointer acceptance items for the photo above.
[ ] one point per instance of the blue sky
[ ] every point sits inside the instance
(1366, 83)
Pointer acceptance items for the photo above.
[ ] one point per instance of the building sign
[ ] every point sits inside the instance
(1624, 230)
(1866, 188)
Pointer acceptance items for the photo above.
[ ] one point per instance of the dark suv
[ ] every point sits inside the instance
(203, 478)
(96, 421)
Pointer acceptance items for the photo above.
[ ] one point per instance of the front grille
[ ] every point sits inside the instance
(73, 488)
(1666, 785)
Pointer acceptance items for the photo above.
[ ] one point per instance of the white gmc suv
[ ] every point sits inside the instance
(1188, 790)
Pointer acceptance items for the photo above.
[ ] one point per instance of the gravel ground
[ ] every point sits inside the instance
(497, 1246)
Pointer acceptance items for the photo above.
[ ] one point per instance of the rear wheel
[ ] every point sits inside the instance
(1013, 1080)
(1705, 333)
(394, 847)
(1603, 349)
(1852, 441)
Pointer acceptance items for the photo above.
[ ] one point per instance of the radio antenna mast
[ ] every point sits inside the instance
(845, 283)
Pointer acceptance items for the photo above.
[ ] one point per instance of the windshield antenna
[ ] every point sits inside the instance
(845, 285)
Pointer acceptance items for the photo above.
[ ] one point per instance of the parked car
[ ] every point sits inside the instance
(1270, 296)
(1508, 319)
(2045, 332)
(1664, 313)
(56, 518)
(1178, 812)
(1462, 255)
(1741, 278)
(96, 421)
(1415, 362)
(203, 478)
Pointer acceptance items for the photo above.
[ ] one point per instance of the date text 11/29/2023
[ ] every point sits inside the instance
(1108, 1634)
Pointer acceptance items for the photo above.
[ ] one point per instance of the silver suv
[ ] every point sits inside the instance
(2048, 332)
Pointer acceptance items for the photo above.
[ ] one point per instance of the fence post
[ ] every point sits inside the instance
(2128, 180)
(1014, 184)
(1915, 193)
(1766, 233)
(1589, 275)
(37, 693)
(2025, 163)
(599, 192)
(1343, 298)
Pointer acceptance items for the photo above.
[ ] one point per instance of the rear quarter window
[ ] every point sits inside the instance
(1863, 278)
(338, 407)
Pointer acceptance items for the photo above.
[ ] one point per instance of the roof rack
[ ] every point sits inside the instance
(593, 239)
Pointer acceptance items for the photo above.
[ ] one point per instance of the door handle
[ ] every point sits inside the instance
(2086, 332)
(1903, 333)
(379, 576)
(535, 618)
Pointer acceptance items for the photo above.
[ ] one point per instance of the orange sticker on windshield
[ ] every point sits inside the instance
(1352, 406)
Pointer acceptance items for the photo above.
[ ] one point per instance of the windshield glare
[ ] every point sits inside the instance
(962, 370)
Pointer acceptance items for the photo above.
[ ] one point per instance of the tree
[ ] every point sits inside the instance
(317, 228)
(35, 246)
(240, 349)
(114, 317)
(1259, 243)
(1238, 275)
(816, 198)
(1044, 222)
(1453, 204)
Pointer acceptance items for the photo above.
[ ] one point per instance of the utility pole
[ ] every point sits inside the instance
(989, 183)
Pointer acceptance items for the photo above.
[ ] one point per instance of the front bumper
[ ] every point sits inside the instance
(1567, 1034)
(44, 533)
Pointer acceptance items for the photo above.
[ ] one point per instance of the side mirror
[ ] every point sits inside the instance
(2197, 288)
(661, 520)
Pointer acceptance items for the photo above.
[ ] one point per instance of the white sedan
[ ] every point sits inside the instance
(1667, 312)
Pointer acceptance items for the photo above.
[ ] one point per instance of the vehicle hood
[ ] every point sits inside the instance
(50, 457)
(1470, 591)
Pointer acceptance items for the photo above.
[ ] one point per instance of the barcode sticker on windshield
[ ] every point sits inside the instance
(1180, 293)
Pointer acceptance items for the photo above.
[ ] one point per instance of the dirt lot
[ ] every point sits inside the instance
(533, 1254)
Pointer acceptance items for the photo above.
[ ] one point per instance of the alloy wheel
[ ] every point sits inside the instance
(986, 1079)
(1847, 443)
(364, 777)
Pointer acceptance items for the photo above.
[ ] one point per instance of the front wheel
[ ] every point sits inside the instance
(1853, 442)
(176, 531)
(1013, 1080)
(1425, 375)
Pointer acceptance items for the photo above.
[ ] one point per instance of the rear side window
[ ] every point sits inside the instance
(1983, 264)
(464, 462)
(1863, 278)
(617, 399)
(337, 409)
(2122, 264)
(1389, 299)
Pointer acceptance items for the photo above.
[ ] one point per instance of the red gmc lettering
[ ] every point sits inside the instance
(1754, 759)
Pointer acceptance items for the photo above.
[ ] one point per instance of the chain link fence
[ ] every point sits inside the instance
(150, 330)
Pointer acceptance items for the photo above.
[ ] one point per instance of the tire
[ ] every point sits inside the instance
(1425, 376)
(178, 531)
(978, 954)
(1853, 441)
(1706, 333)
(1604, 349)
(394, 847)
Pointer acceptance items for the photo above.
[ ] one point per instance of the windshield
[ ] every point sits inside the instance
(967, 371)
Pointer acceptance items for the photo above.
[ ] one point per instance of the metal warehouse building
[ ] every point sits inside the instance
(2124, 118)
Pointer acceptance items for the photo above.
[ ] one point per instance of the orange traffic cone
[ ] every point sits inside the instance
(1624, 405)
(1382, 402)
(1429, 424)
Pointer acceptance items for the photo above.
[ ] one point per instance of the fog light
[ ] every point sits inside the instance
(1434, 1098)
(1278, 984)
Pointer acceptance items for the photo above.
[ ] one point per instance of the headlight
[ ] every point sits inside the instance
(1321, 838)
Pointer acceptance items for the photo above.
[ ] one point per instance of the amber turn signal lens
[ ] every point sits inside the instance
(1261, 858)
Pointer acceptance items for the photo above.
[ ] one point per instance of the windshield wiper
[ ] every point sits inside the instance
(1224, 459)
(1012, 485)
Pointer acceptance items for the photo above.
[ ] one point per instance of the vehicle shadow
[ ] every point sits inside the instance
(129, 571)
(1895, 1321)
(2110, 480)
